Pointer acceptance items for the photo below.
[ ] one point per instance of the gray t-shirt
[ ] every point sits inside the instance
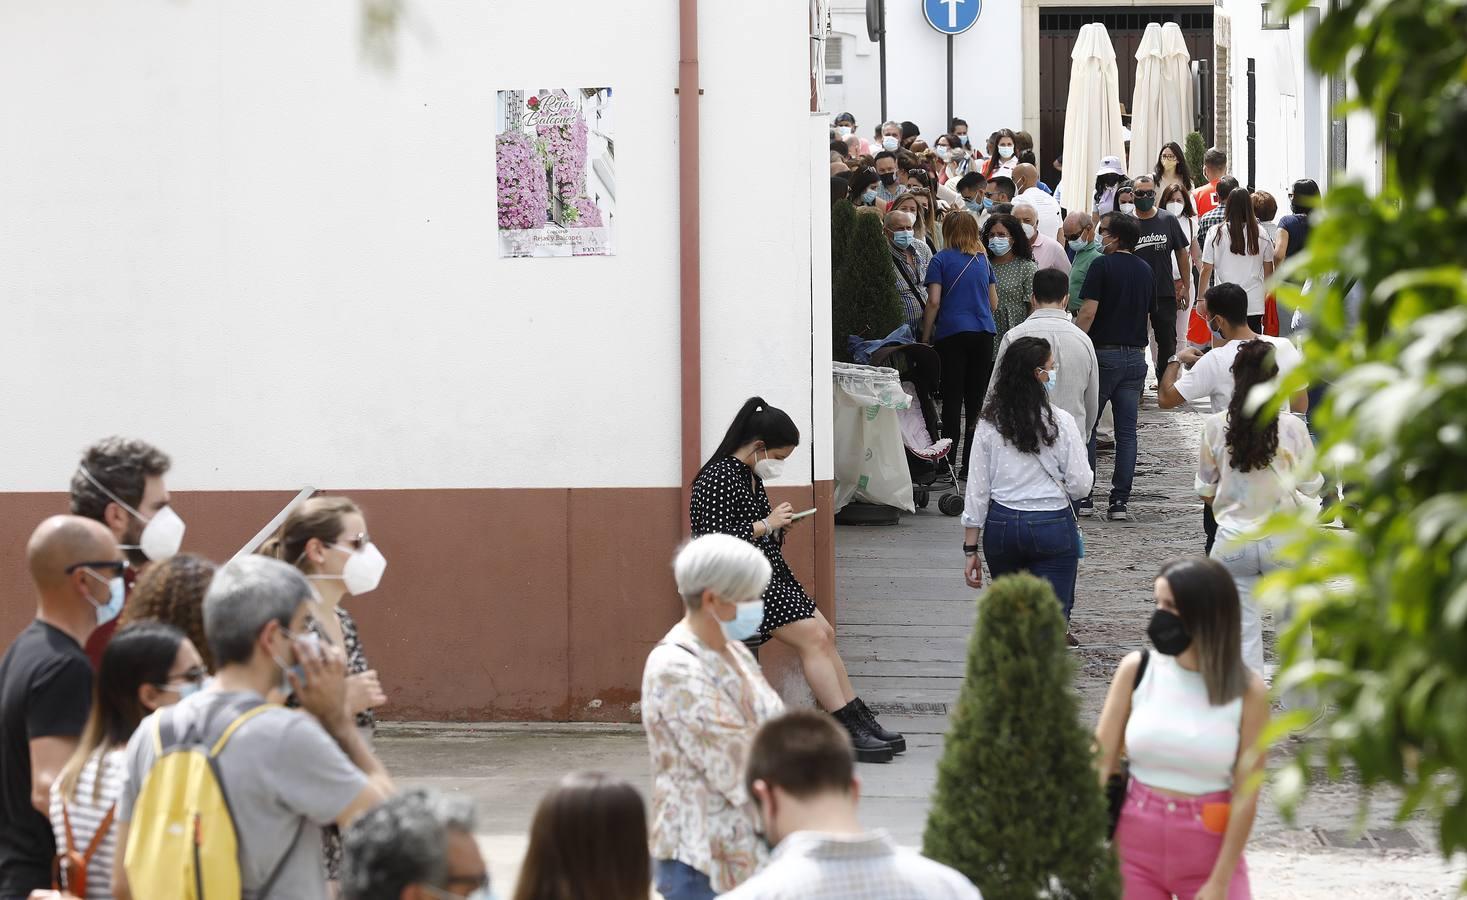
(279, 767)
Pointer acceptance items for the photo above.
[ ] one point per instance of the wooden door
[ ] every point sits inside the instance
(1059, 28)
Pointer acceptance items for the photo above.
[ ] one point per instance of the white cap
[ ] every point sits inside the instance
(1111, 165)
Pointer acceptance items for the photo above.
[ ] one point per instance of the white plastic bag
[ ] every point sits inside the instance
(870, 462)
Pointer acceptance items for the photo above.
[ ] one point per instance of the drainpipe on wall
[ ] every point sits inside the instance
(689, 296)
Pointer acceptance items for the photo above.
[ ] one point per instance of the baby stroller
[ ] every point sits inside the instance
(929, 461)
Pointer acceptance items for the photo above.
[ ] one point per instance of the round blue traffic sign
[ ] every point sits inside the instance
(952, 16)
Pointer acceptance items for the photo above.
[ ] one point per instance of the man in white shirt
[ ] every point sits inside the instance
(1210, 374)
(1048, 253)
(801, 775)
(1078, 389)
(1026, 181)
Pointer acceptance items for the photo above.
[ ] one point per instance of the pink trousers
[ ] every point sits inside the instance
(1166, 850)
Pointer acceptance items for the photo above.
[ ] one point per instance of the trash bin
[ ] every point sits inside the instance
(870, 461)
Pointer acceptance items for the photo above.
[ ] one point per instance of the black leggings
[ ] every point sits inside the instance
(967, 364)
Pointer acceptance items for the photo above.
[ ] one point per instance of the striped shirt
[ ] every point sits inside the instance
(813, 865)
(86, 813)
(1176, 739)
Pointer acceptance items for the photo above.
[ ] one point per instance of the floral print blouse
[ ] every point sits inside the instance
(700, 715)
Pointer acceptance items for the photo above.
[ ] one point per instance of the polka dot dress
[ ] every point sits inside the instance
(728, 498)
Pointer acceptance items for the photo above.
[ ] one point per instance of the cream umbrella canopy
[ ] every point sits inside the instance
(1092, 115)
(1176, 87)
(1146, 102)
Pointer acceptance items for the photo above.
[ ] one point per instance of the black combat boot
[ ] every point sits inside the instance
(896, 742)
(869, 748)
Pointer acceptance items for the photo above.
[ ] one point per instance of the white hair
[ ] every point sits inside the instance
(1025, 205)
(733, 569)
(891, 218)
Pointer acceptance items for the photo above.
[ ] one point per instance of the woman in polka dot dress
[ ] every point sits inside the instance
(729, 498)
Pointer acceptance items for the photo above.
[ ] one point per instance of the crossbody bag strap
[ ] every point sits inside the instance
(264, 891)
(901, 267)
(962, 273)
(102, 828)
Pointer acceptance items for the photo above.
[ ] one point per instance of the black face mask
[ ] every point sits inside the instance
(1168, 635)
(1145, 203)
(889, 179)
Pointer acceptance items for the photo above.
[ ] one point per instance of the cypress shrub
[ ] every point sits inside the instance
(1018, 808)
(1193, 150)
(842, 221)
(865, 301)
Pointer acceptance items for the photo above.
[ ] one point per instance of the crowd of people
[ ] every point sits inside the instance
(1043, 327)
(165, 720)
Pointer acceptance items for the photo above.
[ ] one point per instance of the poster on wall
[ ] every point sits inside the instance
(554, 158)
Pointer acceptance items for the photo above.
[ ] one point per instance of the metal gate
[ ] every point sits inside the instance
(1058, 30)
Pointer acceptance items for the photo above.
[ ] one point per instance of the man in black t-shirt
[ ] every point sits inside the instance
(1162, 242)
(46, 688)
(1118, 295)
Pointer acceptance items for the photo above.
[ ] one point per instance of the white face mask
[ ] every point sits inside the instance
(1128, 208)
(843, 130)
(890, 143)
(943, 153)
(363, 570)
(162, 534)
(1005, 151)
(767, 468)
(1174, 208)
(1030, 231)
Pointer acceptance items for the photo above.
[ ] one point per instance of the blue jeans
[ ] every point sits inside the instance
(680, 881)
(1043, 543)
(1122, 376)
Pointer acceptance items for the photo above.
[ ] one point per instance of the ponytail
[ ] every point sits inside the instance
(756, 421)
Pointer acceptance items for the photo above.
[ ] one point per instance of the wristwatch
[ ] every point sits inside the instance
(1175, 359)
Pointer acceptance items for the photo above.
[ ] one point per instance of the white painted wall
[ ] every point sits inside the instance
(987, 80)
(1293, 109)
(226, 233)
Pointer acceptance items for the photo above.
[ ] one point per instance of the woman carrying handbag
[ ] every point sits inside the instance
(1188, 725)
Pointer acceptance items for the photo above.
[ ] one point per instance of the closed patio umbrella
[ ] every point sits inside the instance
(1092, 115)
(1146, 114)
(1176, 87)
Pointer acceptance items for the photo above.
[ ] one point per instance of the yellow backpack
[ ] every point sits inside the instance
(181, 843)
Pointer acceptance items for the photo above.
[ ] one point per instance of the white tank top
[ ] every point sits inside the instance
(1175, 739)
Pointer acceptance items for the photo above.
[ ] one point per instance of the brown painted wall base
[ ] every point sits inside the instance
(498, 604)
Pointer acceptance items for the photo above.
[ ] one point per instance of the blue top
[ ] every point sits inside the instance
(964, 303)
(1298, 228)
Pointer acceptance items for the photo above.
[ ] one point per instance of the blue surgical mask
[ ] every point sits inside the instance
(974, 207)
(890, 143)
(746, 621)
(188, 689)
(869, 197)
(903, 239)
(1053, 380)
(964, 139)
(998, 246)
(988, 203)
(117, 594)
(1077, 245)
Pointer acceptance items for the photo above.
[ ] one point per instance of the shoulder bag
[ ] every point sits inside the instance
(1115, 785)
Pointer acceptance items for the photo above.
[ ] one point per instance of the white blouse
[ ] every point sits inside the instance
(1242, 501)
(999, 472)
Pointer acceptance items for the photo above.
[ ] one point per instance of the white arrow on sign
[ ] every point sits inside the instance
(952, 12)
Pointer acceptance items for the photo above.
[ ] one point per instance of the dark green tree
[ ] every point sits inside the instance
(1018, 807)
(865, 301)
(1193, 150)
(1386, 596)
(842, 221)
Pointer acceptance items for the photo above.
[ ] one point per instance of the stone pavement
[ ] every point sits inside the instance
(904, 619)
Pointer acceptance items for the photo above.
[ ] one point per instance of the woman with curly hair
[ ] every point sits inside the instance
(1026, 466)
(1253, 463)
(172, 592)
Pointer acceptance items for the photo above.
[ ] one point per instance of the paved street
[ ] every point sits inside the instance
(904, 621)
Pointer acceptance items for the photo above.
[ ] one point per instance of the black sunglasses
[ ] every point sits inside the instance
(116, 566)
